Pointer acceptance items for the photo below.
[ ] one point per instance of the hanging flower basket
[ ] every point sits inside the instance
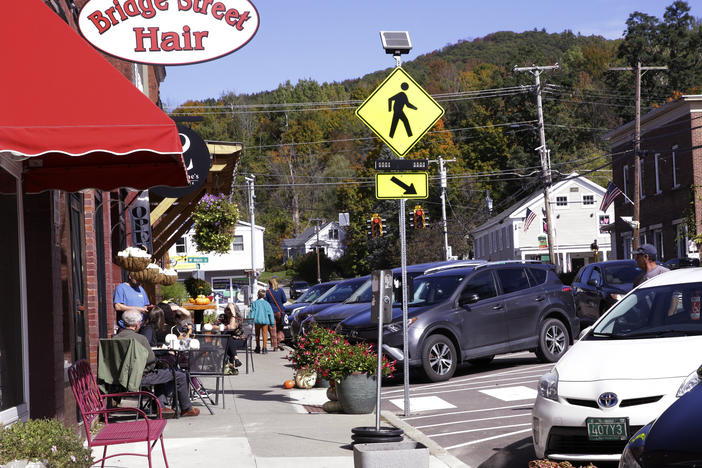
(169, 277)
(151, 274)
(215, 219)
(133, 259)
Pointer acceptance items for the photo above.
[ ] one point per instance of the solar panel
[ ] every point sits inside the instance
(396, 42)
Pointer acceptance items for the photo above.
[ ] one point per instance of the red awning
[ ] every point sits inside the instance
(76, 119)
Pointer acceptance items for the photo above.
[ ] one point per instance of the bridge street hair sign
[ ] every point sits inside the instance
(168, 32)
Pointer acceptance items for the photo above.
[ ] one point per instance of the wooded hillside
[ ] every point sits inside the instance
(313, 158)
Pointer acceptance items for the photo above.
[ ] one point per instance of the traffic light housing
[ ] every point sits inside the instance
(420, 217)
(376, 227)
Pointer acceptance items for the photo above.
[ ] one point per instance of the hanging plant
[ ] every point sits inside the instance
(215, 219)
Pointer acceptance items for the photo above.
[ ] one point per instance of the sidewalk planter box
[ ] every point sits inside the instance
(357, 393)
(408, 454)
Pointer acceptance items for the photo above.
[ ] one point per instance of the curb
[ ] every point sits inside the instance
(415, 434)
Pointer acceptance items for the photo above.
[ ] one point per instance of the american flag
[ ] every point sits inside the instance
(530, 216)
(612, 192)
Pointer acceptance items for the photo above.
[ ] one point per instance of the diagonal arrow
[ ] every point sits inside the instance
(409, 189)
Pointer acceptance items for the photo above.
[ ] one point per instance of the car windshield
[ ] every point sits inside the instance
(340, 292)
(431, 290)
(672, 310)
(362, 294)
(313, 293)
(621, 274)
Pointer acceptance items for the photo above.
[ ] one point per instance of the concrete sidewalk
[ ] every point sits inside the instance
(266, 426)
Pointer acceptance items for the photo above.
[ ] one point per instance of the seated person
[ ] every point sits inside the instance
(183, 327)
(153, 375)
(232, 321)
(154, 327)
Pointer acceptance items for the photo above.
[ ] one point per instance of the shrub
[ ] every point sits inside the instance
(175, 292)
(45, 440)
(196, 286)
(309, 347)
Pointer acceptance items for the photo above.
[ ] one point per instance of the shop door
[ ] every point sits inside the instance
(75, 209)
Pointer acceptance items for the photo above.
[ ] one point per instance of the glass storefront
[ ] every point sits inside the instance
(12, 380)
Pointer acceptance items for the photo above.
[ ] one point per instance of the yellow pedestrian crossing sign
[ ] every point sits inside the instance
(398, 185)
(400, 112)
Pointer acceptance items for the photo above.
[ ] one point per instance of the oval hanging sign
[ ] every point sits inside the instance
(168, 32)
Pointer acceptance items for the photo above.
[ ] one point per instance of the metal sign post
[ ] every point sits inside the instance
(381, 312)
(405, 338)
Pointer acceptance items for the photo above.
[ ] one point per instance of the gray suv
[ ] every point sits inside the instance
(470, 314)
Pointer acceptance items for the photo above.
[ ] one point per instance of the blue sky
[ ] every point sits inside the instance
(334, 40)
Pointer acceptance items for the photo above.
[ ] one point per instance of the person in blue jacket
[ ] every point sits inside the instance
(262, 315)
(276, 298)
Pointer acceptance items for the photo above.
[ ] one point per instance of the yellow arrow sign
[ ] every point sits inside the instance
(399, 185)
(400, 112)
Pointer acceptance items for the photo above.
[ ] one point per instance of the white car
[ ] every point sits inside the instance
(626, 369)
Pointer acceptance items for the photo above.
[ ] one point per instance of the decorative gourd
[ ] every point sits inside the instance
(289, 384)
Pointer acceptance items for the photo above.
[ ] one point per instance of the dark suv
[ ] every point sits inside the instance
(470, 314)
(298, 288)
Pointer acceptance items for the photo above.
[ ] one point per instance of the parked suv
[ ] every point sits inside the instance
(297, 288)
(360, 301)
(470, 314)
(598, 286)
(309, 296)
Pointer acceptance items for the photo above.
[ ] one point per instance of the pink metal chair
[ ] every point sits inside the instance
(93, 404)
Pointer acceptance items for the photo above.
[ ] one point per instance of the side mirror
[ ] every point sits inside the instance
(468, 298)
(592, 282)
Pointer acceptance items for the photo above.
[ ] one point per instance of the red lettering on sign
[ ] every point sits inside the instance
(218, 10)
(99, 21)
(151, 36)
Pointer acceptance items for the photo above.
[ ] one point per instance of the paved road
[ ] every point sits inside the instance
(482, 415)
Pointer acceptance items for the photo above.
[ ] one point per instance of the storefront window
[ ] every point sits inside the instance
(11, 389)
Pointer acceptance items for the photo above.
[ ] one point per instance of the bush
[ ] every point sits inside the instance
(46, 440)
(175, 292)
(196, 286)
(215, 219)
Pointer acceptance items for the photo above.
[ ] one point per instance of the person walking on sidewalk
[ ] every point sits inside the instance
(276, 298)
(262, 315)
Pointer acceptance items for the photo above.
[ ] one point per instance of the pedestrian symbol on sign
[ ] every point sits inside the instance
(400, 99)
(398, 112)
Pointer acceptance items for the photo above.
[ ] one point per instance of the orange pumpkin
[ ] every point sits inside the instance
(191, 300)
(289, 384)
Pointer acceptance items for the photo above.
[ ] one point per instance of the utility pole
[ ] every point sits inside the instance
(252, 278)
(442, 172)
(545, 158)
(316, 229)
(637, 146)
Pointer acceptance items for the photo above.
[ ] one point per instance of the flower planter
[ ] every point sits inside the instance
(394, 454)
(321, 382)
(357, 393)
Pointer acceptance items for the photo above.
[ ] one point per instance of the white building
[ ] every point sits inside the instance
(331, 237)
(577, 222)
(227, 273)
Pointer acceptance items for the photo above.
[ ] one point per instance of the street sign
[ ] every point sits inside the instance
(198, 260)
(401, 164)
(400, 112)
(401, 185)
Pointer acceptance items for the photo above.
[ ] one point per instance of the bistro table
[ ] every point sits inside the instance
(198, 310)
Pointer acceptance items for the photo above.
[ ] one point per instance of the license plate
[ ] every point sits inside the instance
(607, 428)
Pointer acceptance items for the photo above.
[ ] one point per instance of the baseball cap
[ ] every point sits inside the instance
(646, 249)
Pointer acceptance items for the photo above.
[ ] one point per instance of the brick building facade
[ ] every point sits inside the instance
(65, 243)
(671, 170)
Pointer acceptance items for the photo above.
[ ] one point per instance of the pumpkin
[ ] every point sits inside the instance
(289, 384)
(191, 300)
(202, 301)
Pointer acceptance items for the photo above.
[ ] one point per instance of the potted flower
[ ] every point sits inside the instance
(306, 354)
(353, 368)
(215, 219)
(43, 442)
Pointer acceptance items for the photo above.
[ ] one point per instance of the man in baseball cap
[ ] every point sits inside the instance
(645, 257)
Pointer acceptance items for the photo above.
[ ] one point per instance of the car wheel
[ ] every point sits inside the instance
(439, 358)
(483, 361)
(553, 340)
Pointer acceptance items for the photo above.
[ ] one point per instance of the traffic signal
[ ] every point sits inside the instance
(420, 217)
(376, 225)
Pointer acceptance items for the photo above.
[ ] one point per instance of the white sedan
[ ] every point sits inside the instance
(633, 363)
